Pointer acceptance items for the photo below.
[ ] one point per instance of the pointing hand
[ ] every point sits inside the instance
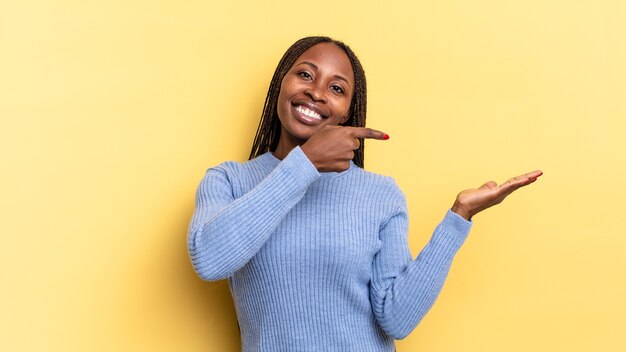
(332, 147)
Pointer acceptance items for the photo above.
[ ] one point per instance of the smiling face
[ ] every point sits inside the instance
(317, 90)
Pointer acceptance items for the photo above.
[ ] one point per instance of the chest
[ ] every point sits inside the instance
(328, 231)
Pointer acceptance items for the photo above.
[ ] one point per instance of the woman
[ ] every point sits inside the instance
(313, 246)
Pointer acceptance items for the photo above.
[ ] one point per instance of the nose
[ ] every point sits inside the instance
(316, 92)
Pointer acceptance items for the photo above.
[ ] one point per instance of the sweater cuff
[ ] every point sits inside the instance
(452, 231)
(300, 166)
(457, 222)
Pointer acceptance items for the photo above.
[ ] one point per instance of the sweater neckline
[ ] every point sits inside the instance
(269, 160)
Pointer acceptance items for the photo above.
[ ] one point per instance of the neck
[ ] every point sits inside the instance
(285, 145)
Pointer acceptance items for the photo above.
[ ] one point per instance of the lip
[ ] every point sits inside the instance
(310, 106)
(305, 119)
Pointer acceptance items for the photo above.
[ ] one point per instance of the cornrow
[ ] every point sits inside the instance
(268, 132)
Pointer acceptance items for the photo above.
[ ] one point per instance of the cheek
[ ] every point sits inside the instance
(346, 108)
(284, 94)
(282, 100)
(287, 86)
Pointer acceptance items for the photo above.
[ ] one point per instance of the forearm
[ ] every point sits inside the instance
(409, 296)
(222, 241)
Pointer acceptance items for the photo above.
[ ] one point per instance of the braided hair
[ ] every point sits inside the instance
(268, 132)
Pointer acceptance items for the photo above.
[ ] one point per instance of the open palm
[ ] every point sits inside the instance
(472, 201)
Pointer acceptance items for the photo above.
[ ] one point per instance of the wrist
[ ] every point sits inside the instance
(461, 211)
(309, 155)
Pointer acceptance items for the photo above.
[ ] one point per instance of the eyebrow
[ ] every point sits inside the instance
(335, 76)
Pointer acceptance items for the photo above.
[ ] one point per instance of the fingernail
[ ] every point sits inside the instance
(386, 137)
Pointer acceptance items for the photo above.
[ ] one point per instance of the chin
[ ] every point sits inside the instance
(301, 137)
(297, 134)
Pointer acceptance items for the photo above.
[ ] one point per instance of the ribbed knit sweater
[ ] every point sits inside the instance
(316, 261)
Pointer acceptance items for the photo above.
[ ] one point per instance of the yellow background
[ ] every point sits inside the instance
(112, 110)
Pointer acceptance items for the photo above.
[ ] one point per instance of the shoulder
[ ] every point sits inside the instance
(237, 176)
(234, 169)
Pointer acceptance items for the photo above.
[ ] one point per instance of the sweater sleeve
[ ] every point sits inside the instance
(403, 290)
(225, 233)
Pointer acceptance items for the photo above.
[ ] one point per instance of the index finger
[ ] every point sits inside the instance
(365, 132)
(525, 177)
(520, 181)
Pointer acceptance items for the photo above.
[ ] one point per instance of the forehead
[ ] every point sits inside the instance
(328, 57)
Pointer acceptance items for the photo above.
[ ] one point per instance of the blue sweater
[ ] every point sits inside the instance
(316, 261)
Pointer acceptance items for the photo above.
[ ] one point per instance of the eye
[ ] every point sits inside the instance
(304, 74)
(337, 89)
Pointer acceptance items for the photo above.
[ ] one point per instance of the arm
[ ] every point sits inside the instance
(403, 290)
(225, 233)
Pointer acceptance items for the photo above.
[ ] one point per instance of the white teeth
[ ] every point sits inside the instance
(308, 112)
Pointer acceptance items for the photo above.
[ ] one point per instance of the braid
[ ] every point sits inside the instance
(268, 131)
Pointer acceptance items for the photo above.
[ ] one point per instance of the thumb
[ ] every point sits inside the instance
(336, 120)
(488, 185)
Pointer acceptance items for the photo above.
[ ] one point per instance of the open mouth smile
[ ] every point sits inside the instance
(307, 115)
(308, 112)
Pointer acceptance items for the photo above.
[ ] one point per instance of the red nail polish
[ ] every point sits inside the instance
(386, 137)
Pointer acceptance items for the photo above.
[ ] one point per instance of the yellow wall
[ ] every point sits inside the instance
(112, 110)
